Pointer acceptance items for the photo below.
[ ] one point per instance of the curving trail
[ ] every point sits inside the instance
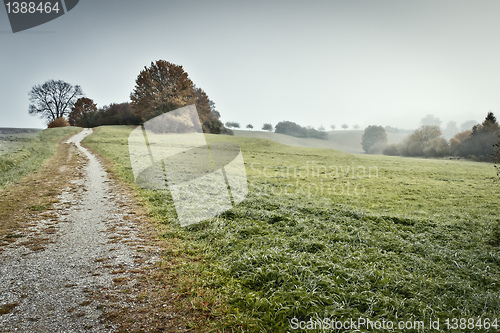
(86, 244)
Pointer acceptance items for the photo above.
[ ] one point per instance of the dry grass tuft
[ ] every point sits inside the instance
(7, 308)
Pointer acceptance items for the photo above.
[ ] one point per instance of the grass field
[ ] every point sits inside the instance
(324, 233)
(31, 175)
(24, 153)
(13, 139)
(344, 140)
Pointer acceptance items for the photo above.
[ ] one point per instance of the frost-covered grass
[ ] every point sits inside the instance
(329, 234)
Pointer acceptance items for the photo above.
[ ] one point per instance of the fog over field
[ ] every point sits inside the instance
(314, 63)
(347, 141)
(250, 166)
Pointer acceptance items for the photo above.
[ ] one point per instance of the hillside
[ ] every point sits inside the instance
(348, 141)
(326, 234)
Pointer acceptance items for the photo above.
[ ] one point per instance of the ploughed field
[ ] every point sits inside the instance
(326, 234)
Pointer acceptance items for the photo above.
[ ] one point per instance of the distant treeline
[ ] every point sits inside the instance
(478, 143)
(293, 129)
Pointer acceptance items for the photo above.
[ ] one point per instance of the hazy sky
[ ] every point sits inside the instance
(312, 62)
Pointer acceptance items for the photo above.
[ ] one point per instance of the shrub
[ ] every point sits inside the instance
(293, 129)
(422, 139)
(415, 148)
(227, 131)
(456, 142)
(437, 147)
(117, 114)
(58, 122)
(213, 126)
(377, 148)
(392, 150)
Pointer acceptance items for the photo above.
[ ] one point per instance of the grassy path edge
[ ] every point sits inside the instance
(36, 191)
(202, 308)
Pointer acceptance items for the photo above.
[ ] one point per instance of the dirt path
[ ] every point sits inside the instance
(88, 242)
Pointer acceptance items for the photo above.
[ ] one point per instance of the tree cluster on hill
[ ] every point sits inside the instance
(161, 87)
(232, 124)
(293, 129)
(86, 114)
(477, 143)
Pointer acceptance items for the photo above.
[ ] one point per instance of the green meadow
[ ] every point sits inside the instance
(326, 234)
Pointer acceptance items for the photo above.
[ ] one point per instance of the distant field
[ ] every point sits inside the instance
(348, 141)
(23, 151)
(324, 233)
(12, 139)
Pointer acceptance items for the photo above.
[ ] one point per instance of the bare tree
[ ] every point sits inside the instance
(53, 99)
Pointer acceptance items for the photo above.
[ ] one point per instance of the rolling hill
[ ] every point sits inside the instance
(348, 141)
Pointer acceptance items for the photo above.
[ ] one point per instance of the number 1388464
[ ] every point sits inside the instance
(32, 7)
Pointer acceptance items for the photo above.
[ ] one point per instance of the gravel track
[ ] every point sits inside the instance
(67, 254)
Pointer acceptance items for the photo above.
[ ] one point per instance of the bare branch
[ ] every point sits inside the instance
(53, 99)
